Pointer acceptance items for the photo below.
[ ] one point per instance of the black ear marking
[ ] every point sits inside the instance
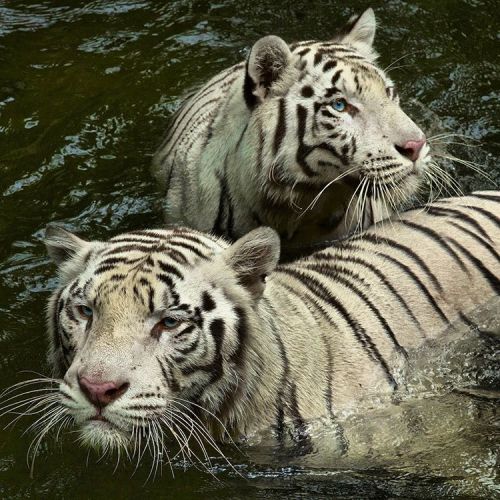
(268, 60)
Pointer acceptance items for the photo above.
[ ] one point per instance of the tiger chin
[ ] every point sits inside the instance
(176, 337)
(307, 138)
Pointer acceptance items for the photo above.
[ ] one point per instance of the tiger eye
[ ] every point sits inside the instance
(85, 311)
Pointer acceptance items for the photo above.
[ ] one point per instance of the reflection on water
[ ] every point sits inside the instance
(86, 89)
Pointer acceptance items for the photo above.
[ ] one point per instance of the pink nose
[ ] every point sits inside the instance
(411, 149)
(101, 393)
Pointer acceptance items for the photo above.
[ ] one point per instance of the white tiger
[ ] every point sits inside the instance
(173, 331)
(308, 139)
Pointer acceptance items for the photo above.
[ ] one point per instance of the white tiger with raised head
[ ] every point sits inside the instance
(175, 333)
(308, 139)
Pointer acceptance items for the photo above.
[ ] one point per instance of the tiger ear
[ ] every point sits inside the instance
(253, 257)
(360, 33)
(61, 244)
(266, 63)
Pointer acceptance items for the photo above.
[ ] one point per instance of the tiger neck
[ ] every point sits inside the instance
(271, 188)
(247, 407)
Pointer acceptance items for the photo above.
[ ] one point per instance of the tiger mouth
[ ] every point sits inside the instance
(374, 186)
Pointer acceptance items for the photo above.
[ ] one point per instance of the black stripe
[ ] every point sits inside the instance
(166, 280)
(186, 330)
(191, 248)
(326, 270)
(118, 260)
(359, 332)
(329, 65)
(151, 299)
(189, 235)
(317, 58)
(479, 239)
(129, 248)
(280, 131)
(148, 233)
(485, 334)
(438, 239)
(411, 274)
(58, 305)
(215, 368)
(190, 348)
(303, 52)
(491, 197)
(360, 262)
(217, 227)
(176, 255)
(183, 112)
(72, 288)
(207, 302)
(303, 150)
(487, 274)
(335, 77)
(67, 350)
(242, 334)
(301, 437)
(372, 238)
(104, 269)
(310, 299)
(260, 149)
(280, 402)
(168, 268)
(126, 238)
(491, 216)
(249, 87)
(168, 375)
(438, 211)
(238, 144)
(188, 122)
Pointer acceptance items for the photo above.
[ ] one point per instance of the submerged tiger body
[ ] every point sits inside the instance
(308, 139)
(172, 329)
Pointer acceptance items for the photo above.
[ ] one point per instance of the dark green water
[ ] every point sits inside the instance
(86, 89)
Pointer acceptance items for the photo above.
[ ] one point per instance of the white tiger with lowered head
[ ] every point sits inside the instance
(307, 138)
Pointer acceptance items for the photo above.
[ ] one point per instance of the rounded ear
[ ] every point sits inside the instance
(61, 244)
(253, 257)
(360, 33)
(266, 63)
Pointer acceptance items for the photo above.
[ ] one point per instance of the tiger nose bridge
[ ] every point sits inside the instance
(407, 137)
(108, 349)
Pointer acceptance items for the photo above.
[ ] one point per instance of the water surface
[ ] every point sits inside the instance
(86, 89)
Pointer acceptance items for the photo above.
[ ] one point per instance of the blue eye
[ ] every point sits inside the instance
(169, 322)
(339, 105)
(85, 311)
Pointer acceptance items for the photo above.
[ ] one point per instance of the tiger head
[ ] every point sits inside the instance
(151, 330)
(330, 114)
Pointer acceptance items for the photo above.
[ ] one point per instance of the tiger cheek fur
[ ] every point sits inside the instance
(123, 346)
(308, 138)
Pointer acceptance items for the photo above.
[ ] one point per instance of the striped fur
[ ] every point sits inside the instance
(258, 346)
(260, 141)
